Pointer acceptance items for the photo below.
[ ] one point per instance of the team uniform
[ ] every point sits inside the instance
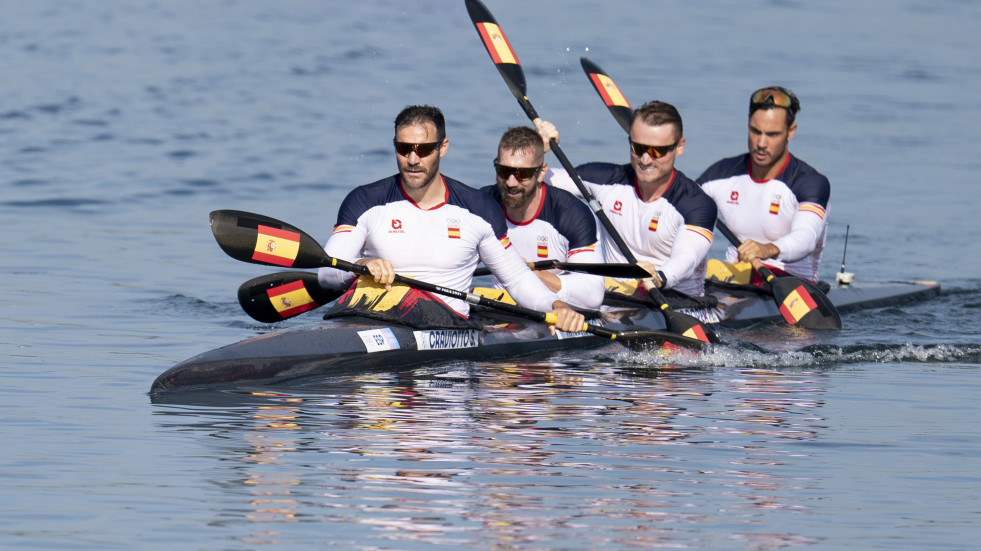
(673, 232)
(789, 211)
(563, 229)
(441, 245)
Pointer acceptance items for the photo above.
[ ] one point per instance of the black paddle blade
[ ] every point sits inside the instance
(498, 47)
(259, 239)
(624, 271)
(803, 304)
(688, 326)
(608, 90)
(646, 340)
(276, 297)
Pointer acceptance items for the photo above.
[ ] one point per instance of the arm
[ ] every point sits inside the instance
(688, 251)
(580, 289)
(806, 230)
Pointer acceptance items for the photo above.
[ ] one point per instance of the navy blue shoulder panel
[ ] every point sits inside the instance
(807, 184)
(570, 216)
(363, 198)
(697, 208)
(726, 168)
(607, 173)
(478, 203)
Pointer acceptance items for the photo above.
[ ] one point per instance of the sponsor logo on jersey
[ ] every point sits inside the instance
(733, 198)
(396, 226)
(446, 339)
(617, 207)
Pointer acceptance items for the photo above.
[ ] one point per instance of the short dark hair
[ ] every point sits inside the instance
(768, 102)
(656, 113)
(421, 114)
(519, 138)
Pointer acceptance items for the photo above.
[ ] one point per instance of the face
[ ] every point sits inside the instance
(650, 170)
(517, 194)
(768, 137)
(418, 172)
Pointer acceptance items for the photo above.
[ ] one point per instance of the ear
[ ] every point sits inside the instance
(444, 147)
(790, 131)
(541, 173)
(679, 149)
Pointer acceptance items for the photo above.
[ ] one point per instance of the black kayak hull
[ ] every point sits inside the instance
(346, 345)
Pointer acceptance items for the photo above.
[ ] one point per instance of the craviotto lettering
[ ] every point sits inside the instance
(443, 340)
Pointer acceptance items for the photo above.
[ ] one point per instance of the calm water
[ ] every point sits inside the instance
(123, 123)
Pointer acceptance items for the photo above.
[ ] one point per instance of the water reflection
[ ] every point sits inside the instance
(586, 453)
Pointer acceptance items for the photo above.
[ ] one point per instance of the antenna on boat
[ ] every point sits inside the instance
(843, 277)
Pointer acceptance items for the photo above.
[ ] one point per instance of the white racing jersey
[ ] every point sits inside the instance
(673, 232)
(789, 211)
(563, 229)
(441, 245)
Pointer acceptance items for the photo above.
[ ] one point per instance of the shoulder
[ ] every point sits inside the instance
(807, 184)
(693, 204)
(363, 198)
(606, 173)
(568, 215)
(726, 168)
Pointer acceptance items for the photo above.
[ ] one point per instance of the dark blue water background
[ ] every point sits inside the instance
(123, 123)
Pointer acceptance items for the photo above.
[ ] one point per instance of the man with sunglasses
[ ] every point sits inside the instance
(775, 203)
(545, 223)
(421, 224)
(663, 217)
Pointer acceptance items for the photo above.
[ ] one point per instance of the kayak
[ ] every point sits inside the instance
(356, 345)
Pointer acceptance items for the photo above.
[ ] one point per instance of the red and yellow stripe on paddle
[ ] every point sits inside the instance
(291, 299)
(696, 332)
(796, 305)
(609, 91)
(276, 246)
(496, 43)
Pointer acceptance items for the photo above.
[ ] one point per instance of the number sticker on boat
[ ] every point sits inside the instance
(445, 339)
(376, 340)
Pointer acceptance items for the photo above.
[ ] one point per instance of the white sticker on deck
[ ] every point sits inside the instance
(376, 340)
(445, 339)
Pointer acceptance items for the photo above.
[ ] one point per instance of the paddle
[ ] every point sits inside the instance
(627, 271)
(260, 239)
(800, 302)
(507, 64)
(276, 297)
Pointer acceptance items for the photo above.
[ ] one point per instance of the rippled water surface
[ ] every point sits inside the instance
(122, 124)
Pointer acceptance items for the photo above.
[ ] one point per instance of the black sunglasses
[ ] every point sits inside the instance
(521, 174)
(421, 149)
(655, 151)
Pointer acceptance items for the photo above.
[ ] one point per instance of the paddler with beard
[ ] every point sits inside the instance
(544, 222)
(775, 203)
(423, 225)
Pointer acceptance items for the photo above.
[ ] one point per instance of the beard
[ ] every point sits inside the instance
(515, 201)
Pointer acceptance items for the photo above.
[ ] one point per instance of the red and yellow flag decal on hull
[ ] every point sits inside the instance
(609, 91)
(275, 246)
(291, 299)
(496, 43)
(797, 305)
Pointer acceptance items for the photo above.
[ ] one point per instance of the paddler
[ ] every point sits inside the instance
(775, 203)
(545, 223)
(421, 224)
(662, 215)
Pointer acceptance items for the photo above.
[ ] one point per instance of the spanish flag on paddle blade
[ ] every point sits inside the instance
(609, 91)
(496, 43)
(797, 305)
(291, 299)
(276, 246)
(696, 332)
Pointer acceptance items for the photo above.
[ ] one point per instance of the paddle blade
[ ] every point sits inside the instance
(498, 47)
(259, 239)
(608, 90)
(645, 340)
(803, 304)
(276, 297)
(688, 326)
